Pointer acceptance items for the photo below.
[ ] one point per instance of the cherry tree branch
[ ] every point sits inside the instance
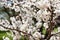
(18, 31)
(50, 23)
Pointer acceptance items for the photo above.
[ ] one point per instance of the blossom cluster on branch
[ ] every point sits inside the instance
(36, 19)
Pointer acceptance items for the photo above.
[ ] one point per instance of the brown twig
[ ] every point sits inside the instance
(50, 24)
(18, 31)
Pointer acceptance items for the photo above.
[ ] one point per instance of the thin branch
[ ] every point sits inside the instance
(14, 29)
(18, 31)
(50, 24)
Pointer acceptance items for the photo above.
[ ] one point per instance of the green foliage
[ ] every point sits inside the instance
(3, 33)
(55, 30)
(43, 31)
(24, 38)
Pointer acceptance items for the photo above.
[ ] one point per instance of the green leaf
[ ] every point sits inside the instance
(55, 30)
(24, 38)
(43, 31)
(3, 33)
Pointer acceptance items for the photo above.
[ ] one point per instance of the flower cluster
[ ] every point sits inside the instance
(33, 16)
